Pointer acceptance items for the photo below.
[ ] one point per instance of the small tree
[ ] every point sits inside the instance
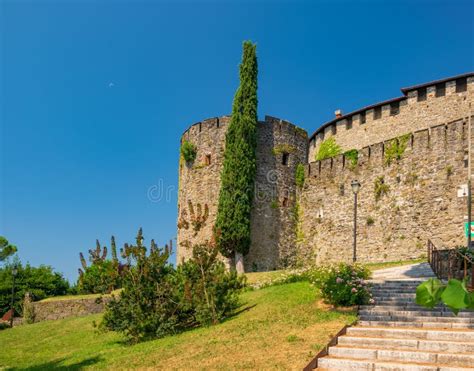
(147, 306)
(239, 167)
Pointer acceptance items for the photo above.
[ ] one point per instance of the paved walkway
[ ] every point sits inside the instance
(396, 334)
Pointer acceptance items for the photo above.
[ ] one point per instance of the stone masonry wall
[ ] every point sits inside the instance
(421, 202)
(58, 309)
(412, 115)
(271, 229)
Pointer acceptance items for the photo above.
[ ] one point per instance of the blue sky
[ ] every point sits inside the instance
(95, 95)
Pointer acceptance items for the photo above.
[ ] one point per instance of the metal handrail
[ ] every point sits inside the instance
(447, 263)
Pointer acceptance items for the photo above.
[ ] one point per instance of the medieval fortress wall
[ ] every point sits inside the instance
(419, 108)
(199, 184)
(402, 202)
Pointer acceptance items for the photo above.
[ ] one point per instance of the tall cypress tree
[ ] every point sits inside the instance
(238, 173)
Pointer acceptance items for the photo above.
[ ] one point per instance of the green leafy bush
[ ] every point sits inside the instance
(454, 294)
(188, 151)
(41, 282)
(343, 284)
(328, 148)
(299, 175)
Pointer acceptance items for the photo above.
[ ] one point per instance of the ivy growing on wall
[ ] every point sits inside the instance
(188, 151)
(352, 156)
(328, 148)
(299, 175)
(396, 148)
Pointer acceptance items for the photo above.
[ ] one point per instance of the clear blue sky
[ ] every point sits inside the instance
(95, 95)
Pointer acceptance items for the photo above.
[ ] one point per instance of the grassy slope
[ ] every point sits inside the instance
(283, 327)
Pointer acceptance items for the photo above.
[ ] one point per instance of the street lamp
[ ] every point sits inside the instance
(14, 273)
(355, 189)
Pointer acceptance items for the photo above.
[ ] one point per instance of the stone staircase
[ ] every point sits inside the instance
(397, 334)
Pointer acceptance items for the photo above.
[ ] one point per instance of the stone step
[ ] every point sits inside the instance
(394, 291)
(433, 325)
(395, 295)
(411, 344)
(412, 333)
(337, 363)
(414, 313)
(397, 355)
(408, 306)
(414, 318)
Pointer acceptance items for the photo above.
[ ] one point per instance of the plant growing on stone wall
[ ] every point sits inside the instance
(352, 157)
(283, 148)
(370, 220)
(232, 226)
(328, 148)
(198, 216)
(449, 170)
(274, 204)
(182, 221)
(28, 309)
(188, 151)
(380, 188)
(299, 175)
(396, 148)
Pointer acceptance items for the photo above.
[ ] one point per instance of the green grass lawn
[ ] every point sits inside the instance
(279, 327)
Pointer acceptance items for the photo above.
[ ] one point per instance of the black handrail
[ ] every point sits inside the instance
(451, 263)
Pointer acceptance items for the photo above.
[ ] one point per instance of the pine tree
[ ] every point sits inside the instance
(232, 227)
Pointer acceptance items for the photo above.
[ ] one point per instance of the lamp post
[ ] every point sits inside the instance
(355, 189)
(14, 273)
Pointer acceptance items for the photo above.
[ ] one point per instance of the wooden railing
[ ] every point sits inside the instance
(451, 263)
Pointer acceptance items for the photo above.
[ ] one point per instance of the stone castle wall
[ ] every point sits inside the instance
(420, 203)
(409, 113)
(315, 223)
(199, 182)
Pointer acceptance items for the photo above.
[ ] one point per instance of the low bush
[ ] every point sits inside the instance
(342, 284)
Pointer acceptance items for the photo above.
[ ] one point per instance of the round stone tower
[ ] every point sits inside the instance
(281, 146)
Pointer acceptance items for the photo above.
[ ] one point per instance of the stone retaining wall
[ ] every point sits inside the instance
(58, 309)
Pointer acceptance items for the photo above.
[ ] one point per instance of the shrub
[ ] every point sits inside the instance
(299, 175)
(100, 278)
(328, 148)
(342, 284)
(158, 300)
(41, 282)
(188, 151)
(146, 306)
(208, 291)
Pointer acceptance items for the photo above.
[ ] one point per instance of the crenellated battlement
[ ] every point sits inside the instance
(445, 137)
(429, 104)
